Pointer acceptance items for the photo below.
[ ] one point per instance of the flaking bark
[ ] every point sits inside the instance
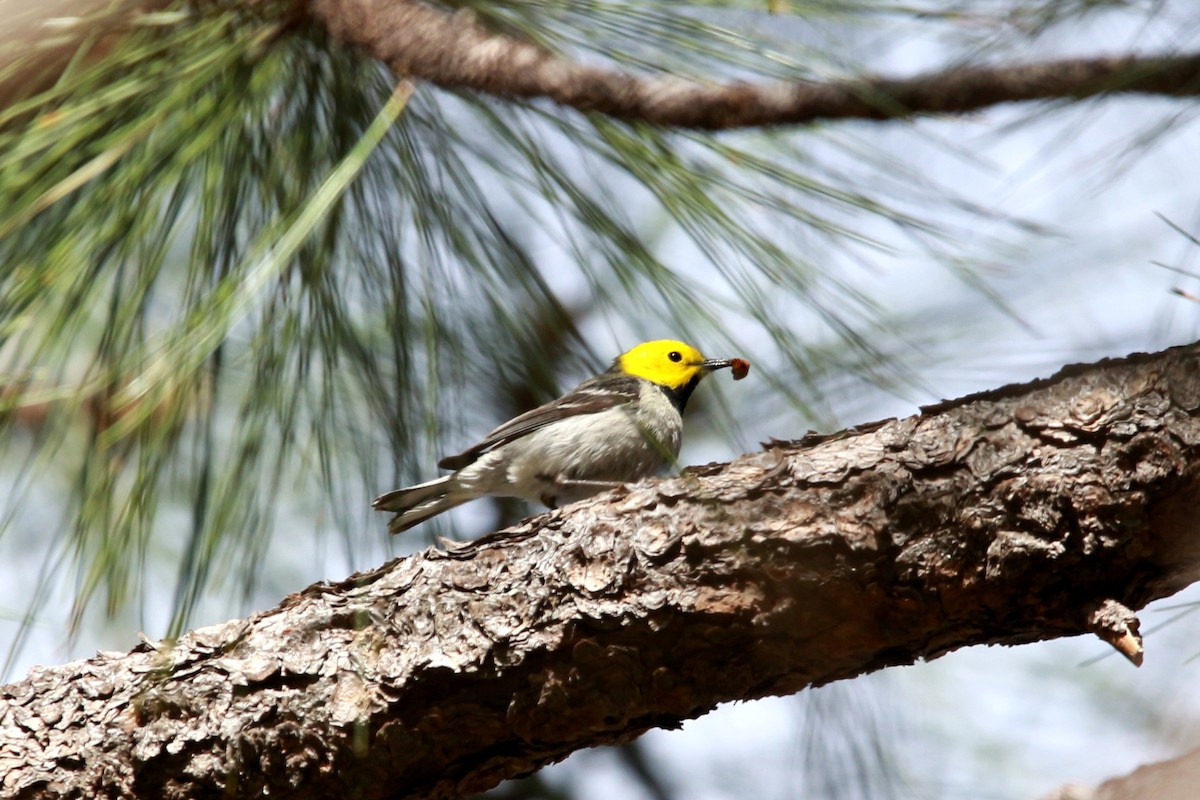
(1031, 512)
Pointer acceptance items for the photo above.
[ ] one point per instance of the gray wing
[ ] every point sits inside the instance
(587, 398)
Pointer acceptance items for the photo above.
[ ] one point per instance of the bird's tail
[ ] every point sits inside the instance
(415, 504)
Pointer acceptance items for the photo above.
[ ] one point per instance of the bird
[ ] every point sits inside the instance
(616, 427)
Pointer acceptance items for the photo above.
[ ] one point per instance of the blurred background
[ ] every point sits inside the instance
(245, 287)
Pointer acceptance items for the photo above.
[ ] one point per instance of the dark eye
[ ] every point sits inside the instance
(675, 355)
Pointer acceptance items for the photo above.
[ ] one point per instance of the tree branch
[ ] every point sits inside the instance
(419, 40)
(453, 50)
(1031, 512)
(1174, 779)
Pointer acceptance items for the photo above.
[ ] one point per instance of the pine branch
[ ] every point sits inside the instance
(1031, 512)
(38, 40)
(453, 50)
(418, 40)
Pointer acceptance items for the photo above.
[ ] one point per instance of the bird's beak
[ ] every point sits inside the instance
(740, 366)
(715, 363)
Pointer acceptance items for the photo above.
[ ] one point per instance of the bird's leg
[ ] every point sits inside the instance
(561, 481)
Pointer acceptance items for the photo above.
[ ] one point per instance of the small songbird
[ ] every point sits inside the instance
(616, 427)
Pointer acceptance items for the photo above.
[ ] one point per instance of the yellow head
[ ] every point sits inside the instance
(672, 365)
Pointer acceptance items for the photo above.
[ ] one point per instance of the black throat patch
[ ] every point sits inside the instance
(679, 397)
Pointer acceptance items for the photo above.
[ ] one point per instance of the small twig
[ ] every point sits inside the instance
(1117, 625)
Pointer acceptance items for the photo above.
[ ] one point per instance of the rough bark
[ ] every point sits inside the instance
(423, 41)
(1035, 511)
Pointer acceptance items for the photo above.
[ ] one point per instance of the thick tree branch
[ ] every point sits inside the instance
(1027, 513)
(419, 40)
